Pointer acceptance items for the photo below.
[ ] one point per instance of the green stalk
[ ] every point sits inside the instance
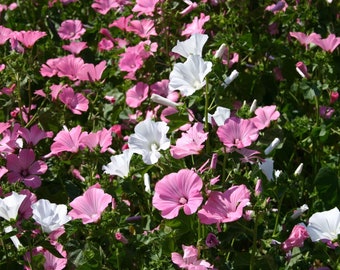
(254, 248)
(206, 109)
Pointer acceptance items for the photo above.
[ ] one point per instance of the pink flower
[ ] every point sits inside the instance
(334, 96)
(71, 29)
(189, 260)
(75, 102)
(301, 68)
(296, 238)
(34, 135)
(326, 112)
(67, 66)
(90, 205)
(53, 262)
(90, 72)
(305, 39)
(143, 28)
(211, 240)
(75, 47)
(121, 238)
(101, 138)
(105, 45)
(328, 44)
(225, 207)
(121, 23)
(191, 142)
(104, 6)
(279, 6)
(25, 209)
(196, 26)
(264, 115)
(176, 191)
(137, 94)
(25, 168)
(191, 6)
(146, 7)
(237, 132)
(68, 141)
(5, 34)
(28, 38)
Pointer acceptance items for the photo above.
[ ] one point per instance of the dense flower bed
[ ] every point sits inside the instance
(154, 134)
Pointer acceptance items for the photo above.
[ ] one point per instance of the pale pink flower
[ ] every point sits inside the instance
(279, 6)
(69, 66)
(90, 205)
(196, 26)
(53, 262)
(90, 72)
(145, 7)
(121, 23)
(296, 238)
(191, 6)
(68, 141)
(264, 115)
(176, 191)
(328, 44)
(137, 94)
(225, 207)
(24, 168)
(34, 135)
(50, 68)
(190, 260)
(75, 102)
(305, 39)
(27, 38)
(75, 47)
(71, 29)
(237, 132)
(143, 28)
(104, 6)
(101, 138)
(5, 34)
(191, 142)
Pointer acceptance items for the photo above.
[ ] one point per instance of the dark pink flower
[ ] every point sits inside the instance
(211, 240)
(90, 205)
(296, 238)
(25, 209)
(191, 142)
(121, 238)
(90, 72)
(67, 141)
(326, 112)
(279, 6)
(25, 168)
(71, 29)
(137, 94)
(264, 115)
(334, 96)
(75, 102)
(34, 135)
(196, 26)
(190, 260)
(75, 47)
(224, 207)
(301, 68)
(237, 132)
(145, 7)
(176, 191)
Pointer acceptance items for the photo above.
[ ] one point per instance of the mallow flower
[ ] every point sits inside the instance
(119, 165)
(324, 225)
(149, 138)
(10, 205)
(188, 77)
(49, 215)
(192, 46)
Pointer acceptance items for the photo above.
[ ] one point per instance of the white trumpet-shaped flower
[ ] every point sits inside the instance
(9, 206)
(149, 138)
(188, 77)
(324, 225)
(120, 164)
(192, 46)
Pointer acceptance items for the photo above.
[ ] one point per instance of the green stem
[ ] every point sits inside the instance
(278, 214)
(225, 157)
(254, 247)
(206, 110)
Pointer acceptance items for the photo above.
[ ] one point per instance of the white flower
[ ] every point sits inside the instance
(324, 225)
(192, 46)
(14, 238)
(272, 146)
(50, 215)
(149, 138)
(298, 169)
(220, 115)
(267, 167)
(164, 101)
(189, 76)
(299, 211)
(228, 80)
(120, 164)
(9, 206)
(219, 53)
(147, 183)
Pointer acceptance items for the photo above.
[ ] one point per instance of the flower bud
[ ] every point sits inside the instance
(301, 68)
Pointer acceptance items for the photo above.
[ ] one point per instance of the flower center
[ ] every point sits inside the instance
(154, 147)
(183, 200)
(197, 84)
(24, 173)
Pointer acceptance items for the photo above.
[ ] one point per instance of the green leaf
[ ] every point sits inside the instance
(327, 184)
